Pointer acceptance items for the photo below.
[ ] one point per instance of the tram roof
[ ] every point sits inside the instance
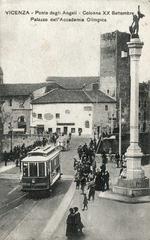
(43, 150)
(41, 154)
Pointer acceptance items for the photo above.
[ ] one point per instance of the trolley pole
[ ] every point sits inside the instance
(120, 127)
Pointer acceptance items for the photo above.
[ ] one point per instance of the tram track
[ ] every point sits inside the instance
(8, 206)
(36, 211)
(15, 216)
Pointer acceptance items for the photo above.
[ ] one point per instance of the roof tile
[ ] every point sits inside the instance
(73, 96)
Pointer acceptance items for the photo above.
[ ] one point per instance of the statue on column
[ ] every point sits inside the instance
(134, 28)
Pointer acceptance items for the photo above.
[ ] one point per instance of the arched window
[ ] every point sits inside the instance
(21, 119)
(22, 122)
(87, 124)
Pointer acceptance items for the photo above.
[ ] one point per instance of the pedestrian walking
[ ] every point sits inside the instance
(106, 178)
(83, 184)
(70, 229)
(104, 158)
(91, 191)
(5, 157)
(117, 159)
(98, 180)
(102, 182)
(68, 144)
(17, 162)
(77, 181)
(70, 136)
(103, 168)
(85, 202)
(79, 150)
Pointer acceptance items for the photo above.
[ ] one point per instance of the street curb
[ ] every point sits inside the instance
(6, 168)
(55, 220)
(120, 198)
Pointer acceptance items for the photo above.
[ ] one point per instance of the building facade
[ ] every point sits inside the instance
(75, 111)
(16, 108)
(144, 107)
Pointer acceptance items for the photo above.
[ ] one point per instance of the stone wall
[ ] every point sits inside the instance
(13, 109)
(18, 139)
(108, 49)
(115, 70)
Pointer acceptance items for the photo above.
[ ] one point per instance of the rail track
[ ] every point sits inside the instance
(12, 204)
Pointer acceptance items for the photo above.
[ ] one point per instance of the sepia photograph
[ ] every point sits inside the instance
(74, 120)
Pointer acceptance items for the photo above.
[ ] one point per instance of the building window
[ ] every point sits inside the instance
(106, 107)
(124, 54)
(50, 130)
(87, 108)
(22, 123)
(34, 115)
(57, 115)
(107, 91)
(87, 124)
(72, 130)
(79, 131)
(21, 119)
(10, 102)
(67, 111)
(58, 130)
(39, 116)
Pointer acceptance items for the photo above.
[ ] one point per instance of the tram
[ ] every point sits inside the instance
(41, 169)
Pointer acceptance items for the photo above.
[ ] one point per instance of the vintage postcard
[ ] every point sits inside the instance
(74, 119)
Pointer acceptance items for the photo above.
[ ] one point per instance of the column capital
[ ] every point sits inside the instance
(135, 47)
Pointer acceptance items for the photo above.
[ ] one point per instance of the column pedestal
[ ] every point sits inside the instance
(133, 157)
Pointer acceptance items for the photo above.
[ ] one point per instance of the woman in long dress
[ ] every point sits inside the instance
(70, 223)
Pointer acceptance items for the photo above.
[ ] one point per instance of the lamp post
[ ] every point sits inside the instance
(11, 135)
(1, 128)
(120, 127)
(121, 120)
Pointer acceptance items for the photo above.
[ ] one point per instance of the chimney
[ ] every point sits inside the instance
(95, 86)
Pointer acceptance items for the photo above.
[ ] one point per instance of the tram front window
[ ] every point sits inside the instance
(33, 169)
(41, 169)
(25, 169)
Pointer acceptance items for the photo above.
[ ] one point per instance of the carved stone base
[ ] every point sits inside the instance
(132, 188)
(133, 158)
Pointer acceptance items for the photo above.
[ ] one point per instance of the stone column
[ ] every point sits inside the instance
(1, 129)
(134, 154)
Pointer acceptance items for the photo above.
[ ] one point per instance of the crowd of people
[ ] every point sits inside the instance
(89, 179)
(86, 171)
(20, 152)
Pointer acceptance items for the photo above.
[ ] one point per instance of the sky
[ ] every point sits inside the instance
(31, 51)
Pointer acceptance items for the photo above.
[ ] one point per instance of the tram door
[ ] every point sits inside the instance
(65, 130)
